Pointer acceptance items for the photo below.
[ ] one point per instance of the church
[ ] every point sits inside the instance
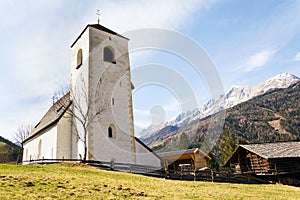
(94, 121)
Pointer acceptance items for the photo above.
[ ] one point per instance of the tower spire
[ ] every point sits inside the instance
(98, 13)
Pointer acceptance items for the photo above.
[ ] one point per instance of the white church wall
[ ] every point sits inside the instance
(121, 94)
(42, 146)
(64, 137)
(145, 157)
(80, 73)
(110, 151)
(79, 91)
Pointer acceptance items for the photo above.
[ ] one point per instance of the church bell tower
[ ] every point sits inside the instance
(101, 87)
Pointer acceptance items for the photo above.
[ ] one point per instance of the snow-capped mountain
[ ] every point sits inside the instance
(240, 94)
(236, 95)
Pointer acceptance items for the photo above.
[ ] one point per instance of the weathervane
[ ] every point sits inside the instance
(98, 13)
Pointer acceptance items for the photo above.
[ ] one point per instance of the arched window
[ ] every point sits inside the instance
(108, 55)
(39, 149)
(110, 132)
(79, 58)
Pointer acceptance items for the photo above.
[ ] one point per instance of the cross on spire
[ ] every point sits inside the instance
(98, 13)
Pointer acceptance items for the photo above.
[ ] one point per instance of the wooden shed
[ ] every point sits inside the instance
(266, 158)
(195, 157)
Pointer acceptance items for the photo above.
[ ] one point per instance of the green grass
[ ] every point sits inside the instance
(75, 181)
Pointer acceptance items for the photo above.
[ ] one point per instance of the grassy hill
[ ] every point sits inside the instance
(75, 181)
(9, 152)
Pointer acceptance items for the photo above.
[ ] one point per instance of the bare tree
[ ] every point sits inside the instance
(22, 133)
(58, 94)
(82, 110)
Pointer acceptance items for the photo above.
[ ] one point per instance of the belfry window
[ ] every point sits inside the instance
(79, 58)
(108, 55)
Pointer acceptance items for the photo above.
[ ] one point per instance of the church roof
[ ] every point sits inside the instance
(53, 115)
(99, 27)
(146, 147)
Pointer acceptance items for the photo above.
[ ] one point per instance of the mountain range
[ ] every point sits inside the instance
(236, 95)
(252, 114)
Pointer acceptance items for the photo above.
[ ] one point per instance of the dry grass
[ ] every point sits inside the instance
(75, 181)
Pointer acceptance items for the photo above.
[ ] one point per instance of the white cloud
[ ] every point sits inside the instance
(129, 15)
(172, 106)
(157, 114)
(258, 60)
(14, 12)
(141, 112)
(297, 56)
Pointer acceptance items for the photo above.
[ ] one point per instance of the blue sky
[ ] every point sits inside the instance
(249, 41)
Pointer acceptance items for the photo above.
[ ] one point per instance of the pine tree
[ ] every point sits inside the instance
(227, 146)
(183, 142)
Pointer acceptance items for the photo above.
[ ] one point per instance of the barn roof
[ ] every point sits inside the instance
(52, 116)
(269, 150)
(175, 153)
(182, 152)
(275, 150)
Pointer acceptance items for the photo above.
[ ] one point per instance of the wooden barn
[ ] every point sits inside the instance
(195, 157)
(266, 159)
